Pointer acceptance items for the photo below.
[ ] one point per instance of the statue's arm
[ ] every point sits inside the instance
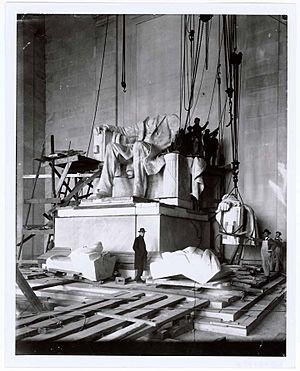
(120, 134)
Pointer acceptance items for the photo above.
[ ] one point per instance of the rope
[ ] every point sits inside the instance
(216, 78)
(181, 67)
(194, 72)
(206, 45)
(123, 82)
(278, 20)
(99, 87)
(201, 81)
(185, 66)
(233, 84)
(212, 98)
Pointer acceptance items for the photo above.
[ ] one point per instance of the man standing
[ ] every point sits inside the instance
(197, 132)
(267, 247)
(278, 252)
(140, 256)
(210, 145)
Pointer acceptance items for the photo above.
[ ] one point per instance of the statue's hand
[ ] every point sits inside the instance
(106, 127)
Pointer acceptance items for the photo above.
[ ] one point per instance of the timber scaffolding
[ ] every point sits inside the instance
(81, 312)
(64, 166)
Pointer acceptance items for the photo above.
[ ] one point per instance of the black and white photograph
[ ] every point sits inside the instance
(151, 183)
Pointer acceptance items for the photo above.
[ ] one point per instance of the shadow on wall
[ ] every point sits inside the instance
(280, 188)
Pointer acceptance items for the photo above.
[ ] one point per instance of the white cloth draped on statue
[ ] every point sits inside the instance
(197, 168)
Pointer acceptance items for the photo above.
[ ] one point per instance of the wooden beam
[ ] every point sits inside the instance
(187, 283)
(124, 332)
(48, 176)
(33, 319)
(37, 231)
(63, 177)
(166, 317)
(28, 292)
(52, 200)
(52, 284)
(52, 167)
(236, 310)
(26, 239)
(126, 318)
(246, 323)
(82, 183)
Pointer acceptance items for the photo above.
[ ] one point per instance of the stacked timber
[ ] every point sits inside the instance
(241, 317)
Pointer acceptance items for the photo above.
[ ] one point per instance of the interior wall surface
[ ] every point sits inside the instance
(30, 124)
(263, 119)
(70, 79)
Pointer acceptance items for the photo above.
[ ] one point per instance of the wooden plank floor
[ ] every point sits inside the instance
(107, 319)
(90, 311)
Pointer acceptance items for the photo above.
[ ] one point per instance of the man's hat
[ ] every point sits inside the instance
(279, 233)
(266, 231)
(142, 230)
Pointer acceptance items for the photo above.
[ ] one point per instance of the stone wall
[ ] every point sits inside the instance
(263, 123)
(30, 123)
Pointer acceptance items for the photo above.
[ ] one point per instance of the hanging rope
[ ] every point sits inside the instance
(201, 81)
(206, 44)
(99, 86)
(212, 97)
(217, 79)
(181, 67)
(194, 71)
(123, 81)
(186, 69)
(232, 68)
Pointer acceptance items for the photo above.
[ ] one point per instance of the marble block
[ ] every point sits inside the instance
(115, 223)
(172, 185)
(89, 263)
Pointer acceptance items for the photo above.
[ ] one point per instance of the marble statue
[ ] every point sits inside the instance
(194, 263)
(140, 149)
(89, 262)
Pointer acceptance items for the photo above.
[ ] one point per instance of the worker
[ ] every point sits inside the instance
(140, 255)
(210, 145)
(278, 253)
(267, 256)
(189, 147)
(197, 132)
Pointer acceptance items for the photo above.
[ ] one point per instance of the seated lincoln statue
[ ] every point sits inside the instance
(140, 148)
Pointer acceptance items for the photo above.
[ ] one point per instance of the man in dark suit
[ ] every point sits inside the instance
(267, 253)
(278, 252)
(140, 256)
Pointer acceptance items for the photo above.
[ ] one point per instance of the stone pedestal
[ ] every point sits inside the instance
(115, 222)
